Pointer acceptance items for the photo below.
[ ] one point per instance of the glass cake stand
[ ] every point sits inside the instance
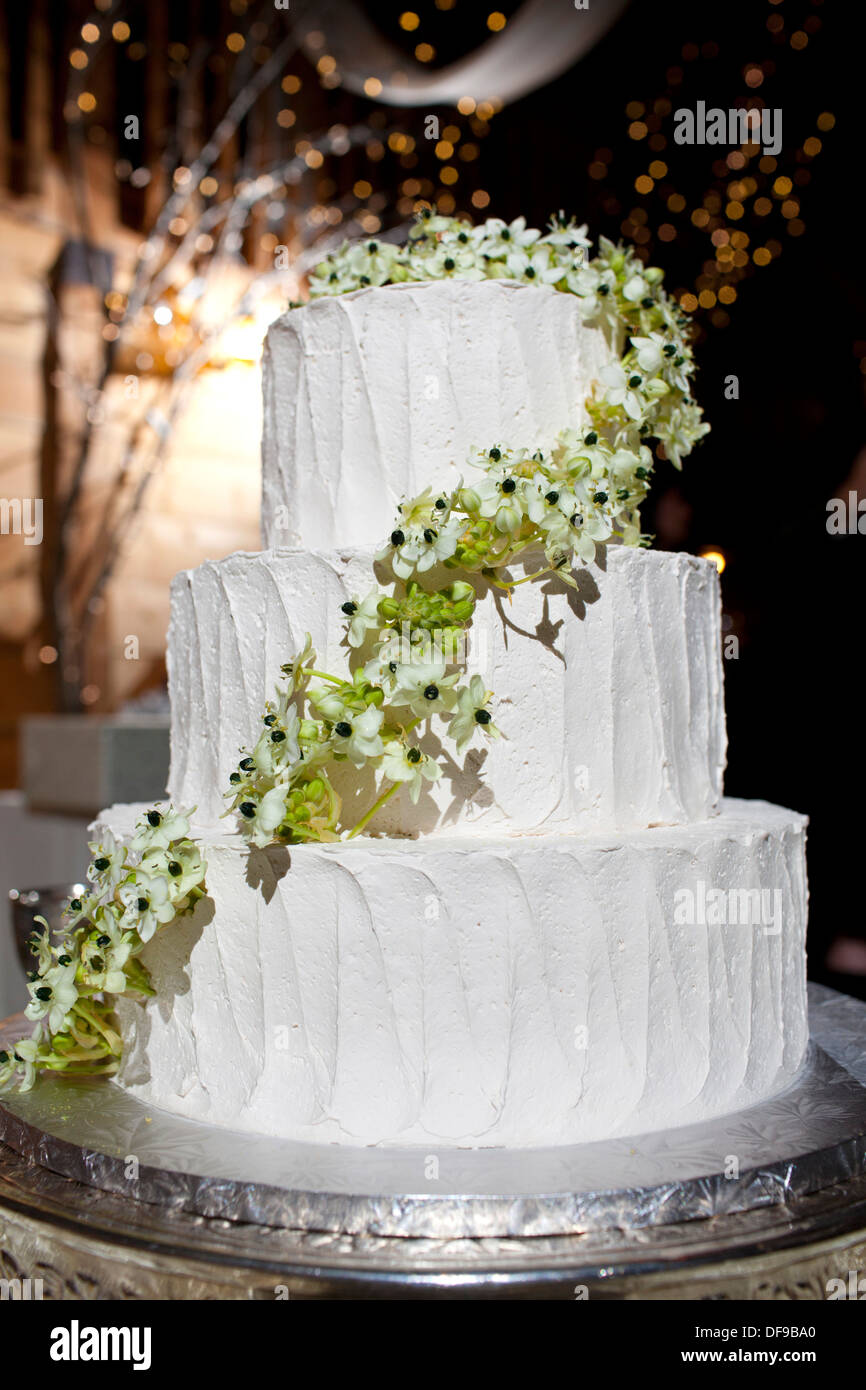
(103, 1197)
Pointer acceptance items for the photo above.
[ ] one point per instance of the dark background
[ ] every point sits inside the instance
(794, 336)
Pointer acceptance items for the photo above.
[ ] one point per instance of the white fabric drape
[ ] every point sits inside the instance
(541, 41)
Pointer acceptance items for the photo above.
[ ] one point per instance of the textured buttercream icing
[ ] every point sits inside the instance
(518, 992)
(610, 698)
(375, 395)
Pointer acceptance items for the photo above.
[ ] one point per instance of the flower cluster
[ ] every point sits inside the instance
(642, 393)
(567, 500)
(446, 248)
(134, 890)
(407, 656)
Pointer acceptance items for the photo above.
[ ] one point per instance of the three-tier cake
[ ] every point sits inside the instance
(571, 935)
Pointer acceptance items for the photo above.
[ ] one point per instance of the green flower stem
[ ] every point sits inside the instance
(91, 1016)
(377, 806)
(323, 676)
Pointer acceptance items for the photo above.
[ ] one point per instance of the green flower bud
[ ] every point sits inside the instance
(468, 499)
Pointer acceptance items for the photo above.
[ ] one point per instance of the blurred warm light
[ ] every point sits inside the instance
(634, 110)
(812, 146)
(667, 232)
(286, 118)
(644, 184)
(162, 314)
(372, 86)
(754, 76)
(445, 203)
(177, 226)
(90, 33)
(425, 52)
(734, 210)
(87, 101)
(362, 189)
(496, 21)
(90, 694)
(120, 31)
(181, 176)
(676, 202)
(443, 149)
(637, 130)
(486, 109)
(235, 42)
(689, 303)
(716, 556)
(790, 208)
(796, 227)
(468, 152)
(466, 105)
(314, 159)
(291, 84)
(826, 121)
(208, 186)
(326, 64)
(448, 174)
(78, 58)
(799, 39)
(204, 243)
(409, 21)
(700, 217)
(480, 198)
(727, 294)
(782, 187)
(762, 256)
(658, 169)
(47, 655)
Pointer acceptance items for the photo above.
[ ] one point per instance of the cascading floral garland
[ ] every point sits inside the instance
(567, 499)
(135, 891)
(407, 641)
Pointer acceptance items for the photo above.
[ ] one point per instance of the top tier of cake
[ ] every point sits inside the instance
(375, 395)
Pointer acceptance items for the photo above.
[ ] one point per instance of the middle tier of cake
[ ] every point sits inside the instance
(609, 698)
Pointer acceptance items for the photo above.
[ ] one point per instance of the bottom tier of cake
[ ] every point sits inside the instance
(509, 991)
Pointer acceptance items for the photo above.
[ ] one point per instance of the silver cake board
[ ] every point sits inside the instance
(808, 1139)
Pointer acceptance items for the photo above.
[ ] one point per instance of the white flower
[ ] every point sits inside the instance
(420, 549)
(424, 687)
(53, 995)
(650, 353)
(160, 827)
(619, 391)
(147, 904)
(22, 1058)
(535, 264)
(357, 735)
(471, 714)
(180, 865)
(278, 749)
(409, 765)
(635, 289)
(108, 865)
(268, 815)
(363, 617)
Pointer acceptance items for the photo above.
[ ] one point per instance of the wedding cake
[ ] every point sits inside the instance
(566, 933)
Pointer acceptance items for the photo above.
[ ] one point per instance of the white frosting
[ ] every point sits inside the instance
(519, 992)
(610, 699)
(372, 396)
